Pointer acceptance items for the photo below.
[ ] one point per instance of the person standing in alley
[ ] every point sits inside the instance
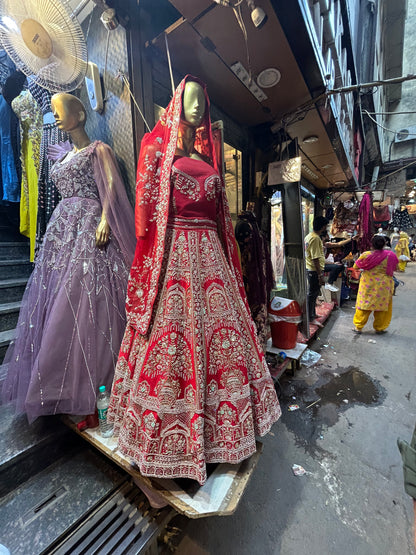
(376, 286)
(315, 264)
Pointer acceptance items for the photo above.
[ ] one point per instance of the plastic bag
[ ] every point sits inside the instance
(404, 258)
(309, 358)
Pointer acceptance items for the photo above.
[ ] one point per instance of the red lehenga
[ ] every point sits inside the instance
(191, 385)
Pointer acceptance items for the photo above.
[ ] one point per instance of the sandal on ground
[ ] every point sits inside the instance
(380, 332)
(355, 330)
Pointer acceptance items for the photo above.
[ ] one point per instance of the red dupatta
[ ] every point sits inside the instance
(153, 191)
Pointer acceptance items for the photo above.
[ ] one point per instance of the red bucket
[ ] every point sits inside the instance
(285, 316)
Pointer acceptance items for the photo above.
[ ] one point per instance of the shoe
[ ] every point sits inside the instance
(331, 287)
(355, 330)
(380, 332)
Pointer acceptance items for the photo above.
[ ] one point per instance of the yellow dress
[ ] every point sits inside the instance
(31, 123)
(375, 294)
(402, 248)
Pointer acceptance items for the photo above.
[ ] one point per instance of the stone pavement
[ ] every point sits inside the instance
(351, 500)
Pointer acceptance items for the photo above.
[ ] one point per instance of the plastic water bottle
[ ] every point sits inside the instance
(103, 401)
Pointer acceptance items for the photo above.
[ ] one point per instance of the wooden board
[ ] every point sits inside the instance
(219, 495)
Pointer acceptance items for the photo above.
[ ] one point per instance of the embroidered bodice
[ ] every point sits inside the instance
(195, 189)
(74, 177)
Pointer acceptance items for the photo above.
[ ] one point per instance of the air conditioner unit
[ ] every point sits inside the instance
(405, 134)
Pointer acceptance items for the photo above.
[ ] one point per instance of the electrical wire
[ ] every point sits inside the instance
(127, 84)
(389, 174)
(385, 128)
(239, 16)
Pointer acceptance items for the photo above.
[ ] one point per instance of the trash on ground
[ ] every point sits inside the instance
(345, 401)
(309, 358)
(321, 437)
(291, 408)
(372, 341)
(314, 403)
(325, 345)
(293, 397)
(298, 470)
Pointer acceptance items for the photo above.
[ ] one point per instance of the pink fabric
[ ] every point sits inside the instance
(376, 258)
(366, 222)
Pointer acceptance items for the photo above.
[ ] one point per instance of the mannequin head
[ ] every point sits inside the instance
(396, 229)
(13, 86)
(194, 104)
(69, 111)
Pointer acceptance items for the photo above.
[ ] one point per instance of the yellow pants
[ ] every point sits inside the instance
(382, 318)
(402, 265)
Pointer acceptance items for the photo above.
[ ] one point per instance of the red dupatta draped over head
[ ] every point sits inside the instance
(153, 191)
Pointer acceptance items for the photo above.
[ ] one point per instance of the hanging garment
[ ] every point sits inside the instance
(345, 219)
(72, 318)
(192, 385)
(9, 171)
(30, 117)
(257, 271)
(401, 219)
(381, 215)
(366, 224)
(48, 194)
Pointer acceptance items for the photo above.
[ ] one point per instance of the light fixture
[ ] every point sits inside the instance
(311, 139)
(307, 170)
(327, 166)
(268, 77)
(258, 15)
(341, 182)
(241, 72)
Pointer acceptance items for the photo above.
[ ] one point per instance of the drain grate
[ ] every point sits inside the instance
(124, 524)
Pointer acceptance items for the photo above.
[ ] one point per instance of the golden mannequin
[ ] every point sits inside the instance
(194, 106)
(71, 116)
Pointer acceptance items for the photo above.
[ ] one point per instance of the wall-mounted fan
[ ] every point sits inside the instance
(45, 41)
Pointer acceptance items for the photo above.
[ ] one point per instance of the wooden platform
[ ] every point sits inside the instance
(292, 357)
(219, 495)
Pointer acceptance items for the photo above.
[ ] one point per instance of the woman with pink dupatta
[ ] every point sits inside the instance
(376, 286)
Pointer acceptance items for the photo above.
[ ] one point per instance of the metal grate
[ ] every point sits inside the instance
(124, 524)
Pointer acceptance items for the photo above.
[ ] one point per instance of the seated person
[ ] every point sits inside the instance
(333, 264)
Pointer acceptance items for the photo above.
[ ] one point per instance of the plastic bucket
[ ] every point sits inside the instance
(284, 316)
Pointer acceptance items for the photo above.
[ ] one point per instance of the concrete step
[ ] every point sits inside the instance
(27, 449)
(9, 314)
(5, 338)
(15, 268)
(14, 249)
(12, 289)
(43, 508)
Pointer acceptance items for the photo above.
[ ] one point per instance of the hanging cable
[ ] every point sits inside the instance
(385, 128)
(126, 82)
(172, 82)
(239, 16)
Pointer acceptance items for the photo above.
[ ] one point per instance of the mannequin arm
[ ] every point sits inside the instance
(102, 233)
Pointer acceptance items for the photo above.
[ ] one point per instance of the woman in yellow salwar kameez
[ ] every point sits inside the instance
(376, 286)
(402, 250)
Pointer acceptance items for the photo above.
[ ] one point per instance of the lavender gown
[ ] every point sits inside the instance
(73, 318)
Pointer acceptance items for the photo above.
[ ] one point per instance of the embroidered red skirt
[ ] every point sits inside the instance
(196, 389)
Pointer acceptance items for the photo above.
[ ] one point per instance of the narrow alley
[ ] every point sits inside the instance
(352, 500)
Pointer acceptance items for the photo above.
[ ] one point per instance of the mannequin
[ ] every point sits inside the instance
(72, 318)
(190, 355)
(394, 238)
(30, 117)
